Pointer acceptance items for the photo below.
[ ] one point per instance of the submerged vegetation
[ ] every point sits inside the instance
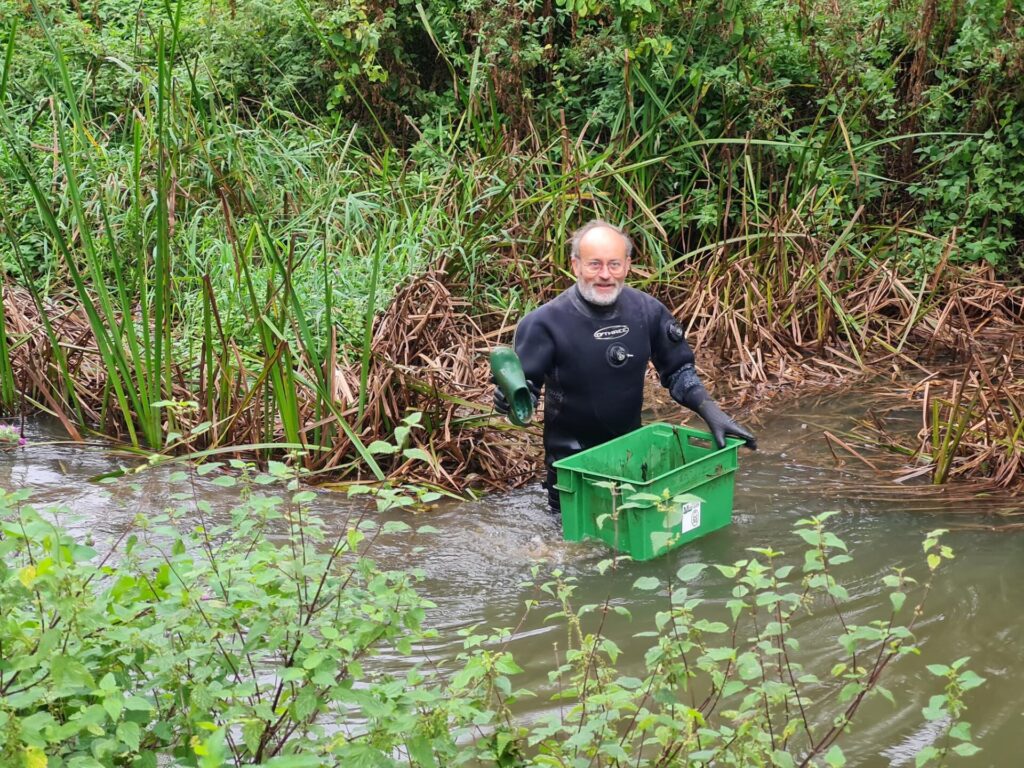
(270, 226)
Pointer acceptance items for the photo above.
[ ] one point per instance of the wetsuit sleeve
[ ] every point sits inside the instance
(673, 358)
(536, 349)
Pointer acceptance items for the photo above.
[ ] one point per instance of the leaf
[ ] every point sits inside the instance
(114, 707)
(293, 761)
(849, 691)
(960, 732)
(660, 540)
(748, 668)
(721, 654)
(783, 572)
(313, 660)
(936, 709)
(129, 733)
(402, 435)
(969, 680)
(897, 599)
(690, 571)
(835, 758)
(305, 703)
(811, 537)
(933, 562)
(137, 704)
(647, 583)
(420, 751)
(70, 672)
(27, 577)
(733, 687)
(252, 733)
(966, 750)
(831, 540)
(379, 446)
(926, 754)
(34, 757)
(507, 665)
(419, 454)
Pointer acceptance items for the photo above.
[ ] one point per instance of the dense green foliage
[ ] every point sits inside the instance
(267, 637)
(912, 109)
(232, 191)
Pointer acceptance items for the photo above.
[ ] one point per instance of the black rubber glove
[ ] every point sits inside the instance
(721, 425)
(501, 404)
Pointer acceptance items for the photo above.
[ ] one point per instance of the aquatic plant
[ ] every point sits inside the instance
(11, 435)
(202, 639)
(970, 429)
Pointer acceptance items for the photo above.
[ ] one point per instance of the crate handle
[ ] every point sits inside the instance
(701, 442)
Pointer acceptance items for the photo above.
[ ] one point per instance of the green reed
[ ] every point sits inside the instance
(238, 266)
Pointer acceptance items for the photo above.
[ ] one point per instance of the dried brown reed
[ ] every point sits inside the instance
(971, 424)
(760, 334)
(428, 356)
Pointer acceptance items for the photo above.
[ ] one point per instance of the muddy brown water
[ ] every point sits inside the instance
(476, 564)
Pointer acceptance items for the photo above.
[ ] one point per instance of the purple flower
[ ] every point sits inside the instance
(9, 434)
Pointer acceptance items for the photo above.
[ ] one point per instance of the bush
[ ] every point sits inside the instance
(198, 641)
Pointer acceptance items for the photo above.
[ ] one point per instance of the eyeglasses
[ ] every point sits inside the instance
(594, 267)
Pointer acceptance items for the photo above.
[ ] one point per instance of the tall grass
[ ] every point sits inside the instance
(231, 271)
(226, 271)
(7, 384)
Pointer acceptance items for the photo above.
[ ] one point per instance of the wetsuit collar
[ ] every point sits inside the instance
(599, 311)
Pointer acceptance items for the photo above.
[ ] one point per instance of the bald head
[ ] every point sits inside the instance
(600, 261)
(600, 234)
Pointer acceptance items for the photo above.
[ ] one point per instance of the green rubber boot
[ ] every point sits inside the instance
(508, 375)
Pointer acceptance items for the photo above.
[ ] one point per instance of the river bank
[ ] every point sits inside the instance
(949, 346)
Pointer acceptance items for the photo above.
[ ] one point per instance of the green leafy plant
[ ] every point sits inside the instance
(199, 639)
(209, 640)
(725, 689)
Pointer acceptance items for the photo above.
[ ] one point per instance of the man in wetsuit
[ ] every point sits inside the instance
(588, 350)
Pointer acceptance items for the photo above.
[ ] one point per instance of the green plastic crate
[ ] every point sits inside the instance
(654, 459)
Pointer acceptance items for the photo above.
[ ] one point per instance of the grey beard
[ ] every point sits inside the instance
(588, 293)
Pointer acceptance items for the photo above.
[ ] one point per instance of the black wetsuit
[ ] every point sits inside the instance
(591, 360)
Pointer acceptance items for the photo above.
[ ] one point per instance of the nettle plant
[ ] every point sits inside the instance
(254, 637)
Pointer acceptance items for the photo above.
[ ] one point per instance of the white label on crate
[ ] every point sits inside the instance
(691, 516)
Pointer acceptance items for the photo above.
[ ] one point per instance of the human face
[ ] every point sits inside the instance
(602, 266)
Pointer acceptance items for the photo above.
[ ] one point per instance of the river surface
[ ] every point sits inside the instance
(476, 564)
